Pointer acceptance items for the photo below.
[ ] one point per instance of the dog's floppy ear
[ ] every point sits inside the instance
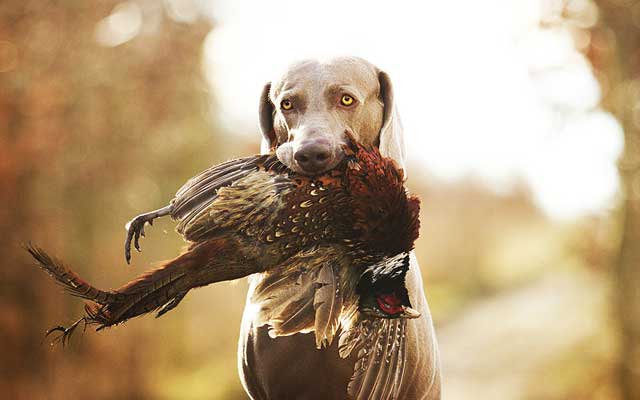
(269, 140)
(391, 137)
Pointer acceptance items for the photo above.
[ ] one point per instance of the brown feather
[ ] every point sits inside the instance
(68, 279)
(162, 288)
(327, 302)
(380, 347)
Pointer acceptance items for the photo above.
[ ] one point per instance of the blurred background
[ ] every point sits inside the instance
(523, 125)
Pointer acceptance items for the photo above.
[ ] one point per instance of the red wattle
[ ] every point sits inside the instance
(389, 303)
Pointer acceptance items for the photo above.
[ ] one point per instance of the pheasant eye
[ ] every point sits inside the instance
(346, 100)
(286, 105)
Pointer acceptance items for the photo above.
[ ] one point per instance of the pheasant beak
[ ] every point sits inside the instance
(410, 313)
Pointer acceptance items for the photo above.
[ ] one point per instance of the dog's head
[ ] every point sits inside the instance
(307, 113)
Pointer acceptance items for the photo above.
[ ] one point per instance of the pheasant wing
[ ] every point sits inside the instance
(192, 205)
(380, 348)
(202, 189)
(304, 295)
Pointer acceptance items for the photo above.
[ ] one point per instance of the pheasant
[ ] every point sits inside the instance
(332, 252)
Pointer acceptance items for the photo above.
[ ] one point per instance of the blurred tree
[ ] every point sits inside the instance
(82, 85)
(615, 55)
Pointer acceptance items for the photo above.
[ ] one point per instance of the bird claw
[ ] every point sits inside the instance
(65, 333)
(135, 230)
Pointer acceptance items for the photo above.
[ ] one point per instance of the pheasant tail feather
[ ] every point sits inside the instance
(162, 288)
(68, 279)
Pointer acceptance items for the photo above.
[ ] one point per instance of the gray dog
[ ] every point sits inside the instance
(305, 116)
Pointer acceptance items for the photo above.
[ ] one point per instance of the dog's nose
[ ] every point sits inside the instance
(313, 157)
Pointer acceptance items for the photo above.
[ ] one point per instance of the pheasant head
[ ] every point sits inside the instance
(385, 226)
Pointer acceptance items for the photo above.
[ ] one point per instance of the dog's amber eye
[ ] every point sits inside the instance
(286, 105)
(346, 100)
